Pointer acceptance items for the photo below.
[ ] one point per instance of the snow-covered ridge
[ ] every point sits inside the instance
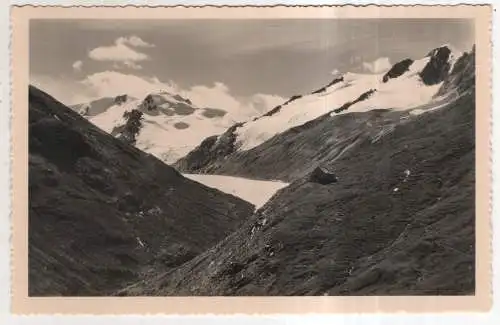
(171, 126)
(361, 93)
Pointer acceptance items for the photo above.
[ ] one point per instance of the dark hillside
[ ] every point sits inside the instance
(102, 213)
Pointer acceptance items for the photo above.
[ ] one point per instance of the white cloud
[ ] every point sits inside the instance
(218, 95)
(77, 66)
(118, 52)
(67, 91)
(239, 108)
(134, 41)
(127, 64)
(264, 102)
(355, 59)
(132, 65)
(122, 52)
(335, 72)
(379, 65)
(113, 83)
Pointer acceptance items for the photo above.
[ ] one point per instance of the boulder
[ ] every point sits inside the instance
(323, 176)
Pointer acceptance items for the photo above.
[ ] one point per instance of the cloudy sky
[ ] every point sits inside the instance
(240, 64)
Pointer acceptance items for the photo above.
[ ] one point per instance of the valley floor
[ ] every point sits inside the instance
(257, 192)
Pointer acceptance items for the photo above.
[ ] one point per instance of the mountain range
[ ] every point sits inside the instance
(378, 198)
(165, 118)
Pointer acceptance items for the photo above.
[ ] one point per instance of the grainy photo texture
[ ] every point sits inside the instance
(251, 157)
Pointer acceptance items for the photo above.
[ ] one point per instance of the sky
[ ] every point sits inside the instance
(231, 64)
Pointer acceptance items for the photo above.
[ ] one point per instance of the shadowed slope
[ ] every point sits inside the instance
(102, 213)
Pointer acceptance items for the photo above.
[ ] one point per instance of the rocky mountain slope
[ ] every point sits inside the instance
(103, 214)
(165, 119)
(397, 218)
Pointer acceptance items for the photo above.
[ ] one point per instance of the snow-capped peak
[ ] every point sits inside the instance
(171, 125)
(100, 105)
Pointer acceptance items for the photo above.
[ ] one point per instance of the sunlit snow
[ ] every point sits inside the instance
(159, 136)
(254, 191)
(402, 93)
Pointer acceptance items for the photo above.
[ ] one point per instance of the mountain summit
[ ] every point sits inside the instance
(165, 118)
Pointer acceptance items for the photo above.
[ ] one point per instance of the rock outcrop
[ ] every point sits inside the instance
(129, 131)
(362, 97)
(211, 149)
(462, 78)
(438, 67)
(331, 83)
(398, 69)
(121, 99)
(279, 107)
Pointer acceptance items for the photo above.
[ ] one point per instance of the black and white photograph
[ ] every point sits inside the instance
(252, 157)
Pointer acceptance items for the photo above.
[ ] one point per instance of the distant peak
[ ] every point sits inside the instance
(164, 95)
(438, 67)
(120, 99)
(445, 49)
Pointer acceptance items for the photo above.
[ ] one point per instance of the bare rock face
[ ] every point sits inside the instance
(398, 69)
(132, 127)
(121, 99)
(155, 104)
(149, 103)
(362, 97)
(209, 152)
(279, 107)
(331, 83)
(438, 67)
(182, 99)
(463, 77)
